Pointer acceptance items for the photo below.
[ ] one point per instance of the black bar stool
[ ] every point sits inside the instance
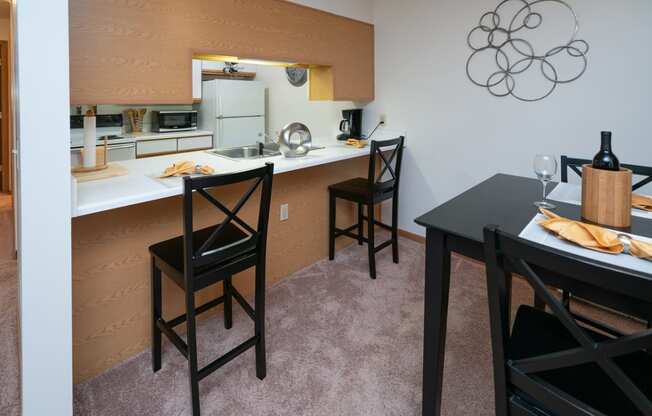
(371, 191)
(202, 258)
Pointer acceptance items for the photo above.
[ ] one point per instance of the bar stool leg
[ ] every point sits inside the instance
(192, 351)
(395, 229)
(156, 315)
(228, 303)
(331, 227)
(566, 299)
(371, 243)
(360, 225)
(259, 305)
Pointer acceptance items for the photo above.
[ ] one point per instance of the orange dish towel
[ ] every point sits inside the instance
(356, 143)
(187, 168)
(642, 202)
(592, 236)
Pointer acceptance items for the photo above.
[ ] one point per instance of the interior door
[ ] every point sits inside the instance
(241, 98)
(241, 131)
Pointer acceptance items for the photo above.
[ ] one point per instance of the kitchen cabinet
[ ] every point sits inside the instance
(155, 147)
(186, 144)
(164, 35)
(196, 80)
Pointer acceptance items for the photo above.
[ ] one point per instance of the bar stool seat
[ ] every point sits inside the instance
(359, 189)
(168, 254)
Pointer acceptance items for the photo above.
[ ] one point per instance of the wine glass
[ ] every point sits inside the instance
(545, 166)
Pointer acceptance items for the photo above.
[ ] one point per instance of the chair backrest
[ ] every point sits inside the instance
(576, 166)
(520, 381)
(197, 254)
(389, 156)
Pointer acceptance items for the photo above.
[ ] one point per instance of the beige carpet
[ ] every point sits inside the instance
(9, 381)
(338, 344)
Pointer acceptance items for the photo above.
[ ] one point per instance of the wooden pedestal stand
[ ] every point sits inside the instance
(101, 161)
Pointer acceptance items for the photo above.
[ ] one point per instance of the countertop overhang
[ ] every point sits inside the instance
(143, 185)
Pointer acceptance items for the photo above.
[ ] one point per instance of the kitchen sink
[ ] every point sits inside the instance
(246, 152)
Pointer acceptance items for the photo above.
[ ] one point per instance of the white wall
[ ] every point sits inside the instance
(355, 9)
(44, 207)
(459, 135)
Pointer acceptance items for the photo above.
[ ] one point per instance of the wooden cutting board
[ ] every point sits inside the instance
(112, 171)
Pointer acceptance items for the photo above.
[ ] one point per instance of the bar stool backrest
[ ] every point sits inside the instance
(390, 166)
(254, 242)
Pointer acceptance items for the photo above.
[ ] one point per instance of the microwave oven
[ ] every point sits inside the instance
(170, 121)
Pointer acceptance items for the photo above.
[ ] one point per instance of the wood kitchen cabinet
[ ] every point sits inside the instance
(141, 52)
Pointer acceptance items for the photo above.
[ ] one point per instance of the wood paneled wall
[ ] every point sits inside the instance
(139, 51)
(111, 263)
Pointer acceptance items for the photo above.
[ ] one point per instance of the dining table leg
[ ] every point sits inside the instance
(437, 284)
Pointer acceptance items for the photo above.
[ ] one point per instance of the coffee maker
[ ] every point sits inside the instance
(351, 126)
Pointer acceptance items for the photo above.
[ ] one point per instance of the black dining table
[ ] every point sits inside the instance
(456, 226)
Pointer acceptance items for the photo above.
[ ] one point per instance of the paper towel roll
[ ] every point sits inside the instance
(90, 139)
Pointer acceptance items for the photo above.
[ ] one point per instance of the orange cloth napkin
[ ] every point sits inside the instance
(592, 237)
(187, 168)
(642, 202)
(356, 143)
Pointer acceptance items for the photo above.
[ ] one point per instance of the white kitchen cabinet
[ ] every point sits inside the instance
(154, 147)
(196, 79)
(194, 143)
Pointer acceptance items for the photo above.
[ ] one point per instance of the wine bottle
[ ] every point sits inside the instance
(605, 159)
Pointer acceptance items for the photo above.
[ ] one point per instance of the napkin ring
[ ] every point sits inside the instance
(627, 242)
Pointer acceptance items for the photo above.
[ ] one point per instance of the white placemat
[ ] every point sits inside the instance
(534, 232)
(571, 193)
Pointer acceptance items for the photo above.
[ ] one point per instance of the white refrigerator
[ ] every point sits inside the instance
(234, 111)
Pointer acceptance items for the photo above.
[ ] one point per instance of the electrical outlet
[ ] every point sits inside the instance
(285, 212)
(383, 119)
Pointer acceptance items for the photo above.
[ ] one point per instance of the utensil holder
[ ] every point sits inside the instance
(607, 196)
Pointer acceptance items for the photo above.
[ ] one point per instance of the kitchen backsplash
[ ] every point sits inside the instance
(120, 109)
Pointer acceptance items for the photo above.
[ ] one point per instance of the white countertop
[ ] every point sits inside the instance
(142, 183)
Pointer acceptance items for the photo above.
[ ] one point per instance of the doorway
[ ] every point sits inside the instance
(7, 228)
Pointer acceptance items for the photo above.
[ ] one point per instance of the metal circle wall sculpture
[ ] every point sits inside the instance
(504, 37)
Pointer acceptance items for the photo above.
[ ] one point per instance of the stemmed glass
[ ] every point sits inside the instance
(545, 166)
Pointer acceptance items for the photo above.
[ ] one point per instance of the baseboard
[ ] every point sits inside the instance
(412, 236)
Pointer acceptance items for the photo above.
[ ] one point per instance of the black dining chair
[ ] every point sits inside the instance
(575, 165)
(369, 191)
(551, 364)
(199, 259)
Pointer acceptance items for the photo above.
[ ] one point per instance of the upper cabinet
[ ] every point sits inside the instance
(140, 52)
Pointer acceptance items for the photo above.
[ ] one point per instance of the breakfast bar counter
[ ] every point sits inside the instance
(142, 183)
(117, 219)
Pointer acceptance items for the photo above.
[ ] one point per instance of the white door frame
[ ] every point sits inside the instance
(43, 214)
